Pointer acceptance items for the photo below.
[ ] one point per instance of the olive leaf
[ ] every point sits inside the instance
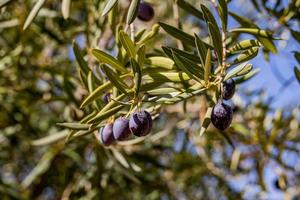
(79, 58)
(247, 76)
(160, 62)
(187, 70)
(108, 59)
(190, 9)
(65, 8)
(246, 55)
(201, 48)
(297, 73)
(206, 121)
(127, 44)
(217, 41)
(100, 90)
(207, 67)
(114, 79)
(253, 31)
(244, 45)
(190, 56)
(154, 31)
(34, 11)
(104, 115)
(133, 11)
(110, 4)
(137, 75)
(163, 77)
(236, 70)
(74, 126)
(223, 12)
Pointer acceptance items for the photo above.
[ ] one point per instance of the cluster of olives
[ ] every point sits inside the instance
(139, 124)
(221, 115)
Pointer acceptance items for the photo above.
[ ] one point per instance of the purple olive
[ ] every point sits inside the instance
(221, 116)
(121, 129)
(146, 12)
(228, 89)
(106, 135)
(140, 123)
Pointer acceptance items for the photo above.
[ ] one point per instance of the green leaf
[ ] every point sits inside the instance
(209, 17)
(187, 70)
(296, 35)
(163, 91)
(253, 31)
(115, 79)
(127, 44)
(34, 11)
(268, 44)
(141, 54)
(163, 77)
(190, 9)
(160, 62)
(137, 75)
(104, 115)
(223, 12)
(206, 121)
(110, 4)
(65, 8)
(217, 41)
(189, 56)
(297, 56)
(201, 48)
(297, 73)
(247, 76)
(99, 91)
(154, 31)
(239, 70)
(49, 139)
(82, 63)
(133, 11)
(108, 59)
(178, 34)
(244, 45)
(74, 126)
(247, 55)
(207, 67)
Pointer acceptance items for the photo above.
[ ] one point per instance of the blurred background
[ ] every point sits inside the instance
(39, 87)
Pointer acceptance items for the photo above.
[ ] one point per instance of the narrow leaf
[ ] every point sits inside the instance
(79, 57)
(179, 34)
(74, 126)
(115, 79)
(102, 116)
(36, 8)
(297, 73)
(223, 12)
(207, 67)
(253, 31)
(110, 4)
(206, 121)
(217, 41)
(108, 59)
(189, 8)
(247, 76)
(201, 48)
(244, 45)
(127, 44)
(65, 8)
(4, 2)
(232, 73)
(247, 55)
(133, 11)
(137, 75)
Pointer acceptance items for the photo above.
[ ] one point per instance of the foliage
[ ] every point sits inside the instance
(57, 61)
